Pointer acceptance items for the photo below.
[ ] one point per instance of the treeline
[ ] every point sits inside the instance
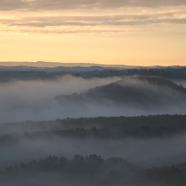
(160, 126)
(34, 73)
(169, 72)
(78, 164)
(95, 169)
(91, 170)
(170, 123)
(168, 175)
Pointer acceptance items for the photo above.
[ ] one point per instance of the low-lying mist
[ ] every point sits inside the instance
(34, 100)
(145, 152)
(180, 82)
(77, 97)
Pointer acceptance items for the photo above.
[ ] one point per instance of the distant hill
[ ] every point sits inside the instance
(53, 69)
(43, 64)
(132, 91)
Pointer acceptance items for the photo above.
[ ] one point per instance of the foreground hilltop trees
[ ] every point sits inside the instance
(90, 169)
(94, 170)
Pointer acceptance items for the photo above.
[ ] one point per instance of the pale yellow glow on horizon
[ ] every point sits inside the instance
(124, 49)
(103, 43)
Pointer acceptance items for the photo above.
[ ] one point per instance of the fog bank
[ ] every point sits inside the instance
(146, 152)
(38, 100)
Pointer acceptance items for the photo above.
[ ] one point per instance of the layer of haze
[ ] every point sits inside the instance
(147, 152)
(36, 100)
(181, 82)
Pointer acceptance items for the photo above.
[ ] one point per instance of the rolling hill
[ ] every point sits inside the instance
(132, 91)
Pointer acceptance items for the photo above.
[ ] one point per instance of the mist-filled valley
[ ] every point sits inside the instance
(74, 97)
(95, 151)
(110, 131)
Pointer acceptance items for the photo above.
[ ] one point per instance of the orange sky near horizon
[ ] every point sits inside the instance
(139, 33)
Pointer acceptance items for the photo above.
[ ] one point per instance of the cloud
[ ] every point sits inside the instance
(134, 23)
(85, 31)
(85, 4)
(105, 31)
(99, 20)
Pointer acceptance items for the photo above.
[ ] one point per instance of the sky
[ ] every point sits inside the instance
(126, 32)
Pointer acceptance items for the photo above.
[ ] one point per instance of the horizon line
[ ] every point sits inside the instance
(97, 64)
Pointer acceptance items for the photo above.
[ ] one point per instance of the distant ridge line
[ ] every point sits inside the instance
(58, 64)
